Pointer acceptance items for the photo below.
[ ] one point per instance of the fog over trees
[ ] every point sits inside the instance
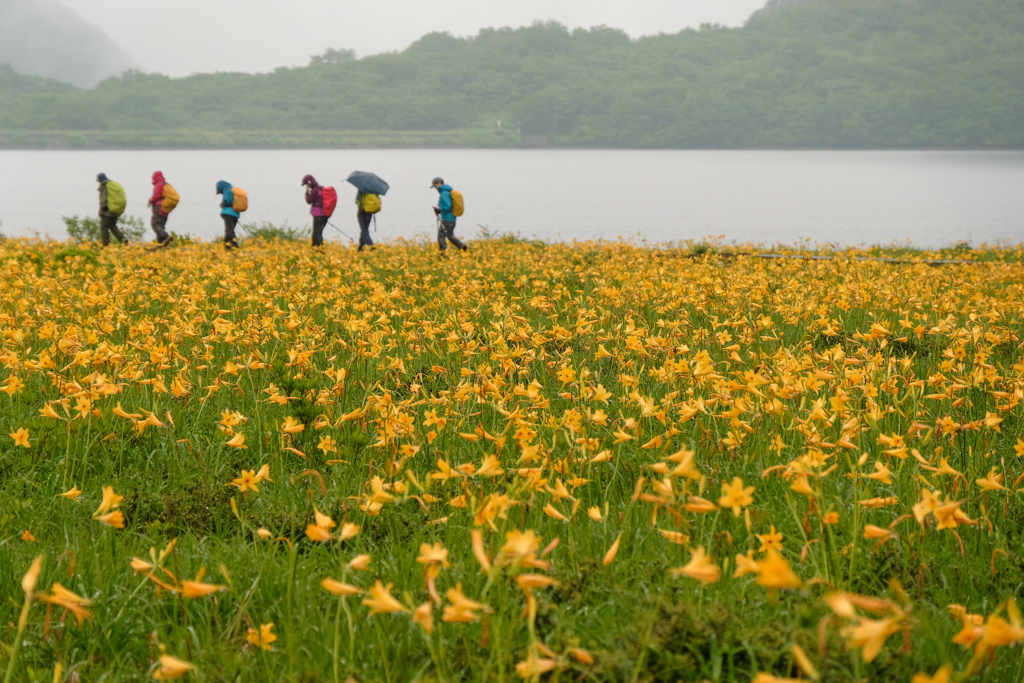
(45, 38)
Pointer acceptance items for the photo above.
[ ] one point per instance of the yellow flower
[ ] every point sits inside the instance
(381, 601)
(700, 567)
(533, 667)
(360, 562)
(941, 676)
(114, 519)
(461, 609)
(327, 445)
(424, 616)
(110, 501)
(75, 604)
(770, 541)
(28, 581)
(699, 505)
(262, 638)
(21, 438)
(774, 572)
(73, 493)
(491, 467)
(735, 496)
(237, 441)
(170, 668)
(478, 550)
(246, 482)
(609, 557)
(551, 511)
(870, 635)
(746, 564)
(527, 581)
(48, 411)
(292, 426)
(197, 589)
(317, 534)
(338, 588)
(379, 494)
(433, 554)
(264, 474)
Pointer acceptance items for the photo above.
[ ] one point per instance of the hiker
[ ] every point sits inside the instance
(228, 213)
(108, 217)
(159, 220)
(315, 199)
(365, 218)
(444, 211)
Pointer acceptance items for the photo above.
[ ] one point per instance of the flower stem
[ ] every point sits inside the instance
(383, 653)
(22, 622)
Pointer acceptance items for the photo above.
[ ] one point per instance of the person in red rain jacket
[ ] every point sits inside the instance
(159, 219)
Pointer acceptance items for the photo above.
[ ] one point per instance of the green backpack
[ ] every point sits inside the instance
(116, 199)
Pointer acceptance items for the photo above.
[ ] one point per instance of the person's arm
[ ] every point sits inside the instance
(445, 202)
(310, 195)
(103, 196)
(158, 194)
(229, 199)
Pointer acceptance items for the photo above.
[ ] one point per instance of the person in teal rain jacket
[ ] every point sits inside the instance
(228, 213)
(446, 226)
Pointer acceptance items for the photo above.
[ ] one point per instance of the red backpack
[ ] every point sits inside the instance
(330, 197)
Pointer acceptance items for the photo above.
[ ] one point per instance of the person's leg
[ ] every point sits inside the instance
(364, 230)
(449, 229)
(229, 231)
(319, 222)
(440, 237)
(104, 229)
(117, 231)
(159, 223)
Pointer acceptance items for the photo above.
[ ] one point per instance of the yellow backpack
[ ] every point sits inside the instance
(241, 202)
(171, 199)
(458, 204)
(371, 203)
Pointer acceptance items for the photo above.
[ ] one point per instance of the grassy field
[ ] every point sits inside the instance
(589, 462)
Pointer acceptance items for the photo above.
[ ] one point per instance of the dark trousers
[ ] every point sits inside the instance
(319, 223)
(229, 230)
(446, 231)
(108, 224)
(364, 229)
(159, 224)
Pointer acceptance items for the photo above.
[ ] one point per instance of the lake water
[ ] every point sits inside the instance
(929, 199)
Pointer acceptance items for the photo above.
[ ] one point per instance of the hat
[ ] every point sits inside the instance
(437, 181)
(102, 177)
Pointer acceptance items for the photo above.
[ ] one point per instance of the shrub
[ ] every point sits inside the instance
(87, 228)
(269, 231)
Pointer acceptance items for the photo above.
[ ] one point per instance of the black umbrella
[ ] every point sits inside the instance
(370, 183)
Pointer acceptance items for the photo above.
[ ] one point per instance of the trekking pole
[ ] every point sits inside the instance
(338, 229)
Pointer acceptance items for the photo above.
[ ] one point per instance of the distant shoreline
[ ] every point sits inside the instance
(18, 140)
(209, 140)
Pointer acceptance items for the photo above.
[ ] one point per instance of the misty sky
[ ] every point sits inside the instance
(188, 36)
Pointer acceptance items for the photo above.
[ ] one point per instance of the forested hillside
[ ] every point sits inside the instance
(800, 73)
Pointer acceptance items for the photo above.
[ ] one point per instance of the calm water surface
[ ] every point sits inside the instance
(928, 199)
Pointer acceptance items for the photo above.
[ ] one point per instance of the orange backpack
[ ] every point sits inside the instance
(241, 202)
